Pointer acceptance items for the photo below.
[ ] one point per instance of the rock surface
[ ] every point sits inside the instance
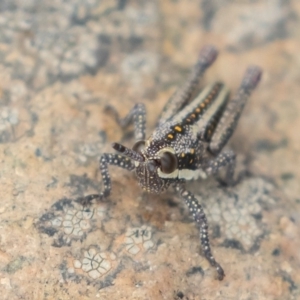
(61, 63)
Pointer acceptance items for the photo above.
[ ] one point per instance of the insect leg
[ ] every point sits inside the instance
(137, 116)
(231, 115)
(224, 159)
(105, 160)
(207, 56)
(199, 217)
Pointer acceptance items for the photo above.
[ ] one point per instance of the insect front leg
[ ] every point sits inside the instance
(105, 160)
(199, 217)
(137, 116)
(227, 124)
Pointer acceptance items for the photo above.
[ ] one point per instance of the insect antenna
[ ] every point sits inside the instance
(128, 152)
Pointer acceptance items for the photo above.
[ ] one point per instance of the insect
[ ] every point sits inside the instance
(187, 143)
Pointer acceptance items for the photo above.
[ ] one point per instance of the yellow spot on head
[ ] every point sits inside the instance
(188, 120)
(193, 116)
(202, 105)
(182, 155)
(170, 136)
(198, 110)
(178, 128)
(192, 151)
(191, 161)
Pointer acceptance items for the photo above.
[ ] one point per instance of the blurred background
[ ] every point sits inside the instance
(61, 63)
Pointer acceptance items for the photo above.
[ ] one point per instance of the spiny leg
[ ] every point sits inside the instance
(231, 115)
(224, 159)
(199, 217)
(207, 56)
(105, 160)
(137, 116)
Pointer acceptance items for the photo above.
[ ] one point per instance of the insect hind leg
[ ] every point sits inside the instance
(208, 55)
(231, 115)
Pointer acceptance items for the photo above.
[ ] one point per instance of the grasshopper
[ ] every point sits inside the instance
(187, 143)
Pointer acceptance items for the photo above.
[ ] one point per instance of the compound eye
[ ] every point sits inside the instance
(168, 162)
(138, 146)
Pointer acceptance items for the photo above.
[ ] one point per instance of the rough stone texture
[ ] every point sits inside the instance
(61, 62)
